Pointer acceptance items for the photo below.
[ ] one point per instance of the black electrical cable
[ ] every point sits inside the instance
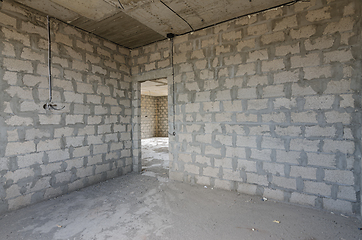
(49, 61)
(50, 105)
(231, 19)
(120, 4)
(177, 15)
(171, 36)
(88, 32)
(252, 13)
(173, 90)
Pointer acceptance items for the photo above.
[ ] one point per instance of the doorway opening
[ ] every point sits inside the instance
(154, 128)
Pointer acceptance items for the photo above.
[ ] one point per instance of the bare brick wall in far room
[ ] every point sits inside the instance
(162, 116)
(148, 116)
(154, 118)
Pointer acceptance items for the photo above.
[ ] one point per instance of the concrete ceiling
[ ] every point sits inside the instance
(135, 23)
(157, 87)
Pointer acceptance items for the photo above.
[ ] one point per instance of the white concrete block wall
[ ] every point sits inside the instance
(136, 127)
(270, 104)
(148, 116)
(154, 119)
(48, 153)
(151, 57)
(162, 116)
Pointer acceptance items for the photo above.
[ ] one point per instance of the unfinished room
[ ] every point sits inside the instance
(154, 128)
(183, 119)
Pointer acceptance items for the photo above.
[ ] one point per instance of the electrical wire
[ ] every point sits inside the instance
(231, 19)
(49, 61)
(49, 105)
(120, 4)
(173, 90)
(238, 17)
(88, 32)
(171, 36)
(177, 15)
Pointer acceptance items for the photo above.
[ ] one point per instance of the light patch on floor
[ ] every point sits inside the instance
(155, 158)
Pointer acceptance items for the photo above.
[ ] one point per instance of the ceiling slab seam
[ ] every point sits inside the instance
(232, 19)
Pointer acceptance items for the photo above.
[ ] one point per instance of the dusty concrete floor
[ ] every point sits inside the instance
(149, 206)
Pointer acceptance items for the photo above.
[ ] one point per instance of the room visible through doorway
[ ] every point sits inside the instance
(154, 128)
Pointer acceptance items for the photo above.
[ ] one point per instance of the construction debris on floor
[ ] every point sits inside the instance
(149, 206)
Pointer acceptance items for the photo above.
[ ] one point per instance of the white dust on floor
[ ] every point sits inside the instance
(149, 206)
(155, 158)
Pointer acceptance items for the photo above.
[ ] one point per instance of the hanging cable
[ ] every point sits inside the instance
(49, 61)
(49, 105)
(231, 19)
(171, 36)
(120, 4)
(173, 90)
(177, 15)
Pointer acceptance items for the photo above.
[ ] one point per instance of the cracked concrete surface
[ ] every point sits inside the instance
(149, 206)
